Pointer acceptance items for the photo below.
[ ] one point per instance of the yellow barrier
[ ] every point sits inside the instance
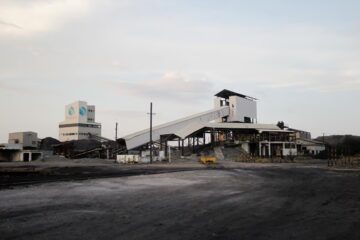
(207, 159)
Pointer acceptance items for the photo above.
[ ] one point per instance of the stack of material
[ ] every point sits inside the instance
(47, 144)
(74, 147)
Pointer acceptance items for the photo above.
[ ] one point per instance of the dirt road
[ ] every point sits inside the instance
(267, 202)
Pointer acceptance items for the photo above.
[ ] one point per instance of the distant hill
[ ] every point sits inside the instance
(344, 143)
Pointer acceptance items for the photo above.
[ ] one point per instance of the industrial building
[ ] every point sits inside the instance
(309, 146)
(233, 120)
(28, 140)
(21, 146)
(79, 122)
(232, 123)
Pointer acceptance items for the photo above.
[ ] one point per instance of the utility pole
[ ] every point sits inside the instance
(116, 131)
(151, 140)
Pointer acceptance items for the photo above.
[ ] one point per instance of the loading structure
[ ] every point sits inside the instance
(232, 121)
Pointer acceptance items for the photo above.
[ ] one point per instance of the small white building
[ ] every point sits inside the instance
(243, 108)
(26, 139)
(309, 146)
(79, 122)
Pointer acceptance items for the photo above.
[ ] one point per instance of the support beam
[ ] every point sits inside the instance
(282, 150)
(260, 152)
(212, 138)
(166, 149)
(182, 147)
(269, 150)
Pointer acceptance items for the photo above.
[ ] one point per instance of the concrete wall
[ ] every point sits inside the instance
(10, 155)
(19, 155)
(91, 113)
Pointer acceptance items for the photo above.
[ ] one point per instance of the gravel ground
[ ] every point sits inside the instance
(236, 201)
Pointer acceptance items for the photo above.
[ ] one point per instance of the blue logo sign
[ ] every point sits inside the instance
(82, 111)
(71, 111)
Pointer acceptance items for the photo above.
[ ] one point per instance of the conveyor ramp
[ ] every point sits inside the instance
(178, 127)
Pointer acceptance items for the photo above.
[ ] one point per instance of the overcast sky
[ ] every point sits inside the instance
(301, 59)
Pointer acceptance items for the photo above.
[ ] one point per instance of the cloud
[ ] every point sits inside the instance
(172, 86)
(10, 88)
(320, 80)
(9, 25)
(24, 88)
(28, 17)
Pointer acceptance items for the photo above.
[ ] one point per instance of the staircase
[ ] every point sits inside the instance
(237, 154)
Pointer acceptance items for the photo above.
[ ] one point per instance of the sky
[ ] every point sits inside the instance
(301, 59)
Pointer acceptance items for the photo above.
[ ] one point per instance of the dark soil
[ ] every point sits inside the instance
(267, 202)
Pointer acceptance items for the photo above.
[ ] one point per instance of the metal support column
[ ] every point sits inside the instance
(182, 147)
(166, 149)
(260, 152)
(269, 150)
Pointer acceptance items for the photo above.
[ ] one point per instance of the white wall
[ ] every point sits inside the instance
(76, 112)
(217, 102)
(289, 152)
(315, 149)
(78, 133)
(240, 108)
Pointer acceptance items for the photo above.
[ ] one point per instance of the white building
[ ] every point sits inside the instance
(79, 122)
(243, 108)
(21, 146)
(26, 139)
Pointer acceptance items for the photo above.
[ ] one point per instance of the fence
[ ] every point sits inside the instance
(341, 158)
